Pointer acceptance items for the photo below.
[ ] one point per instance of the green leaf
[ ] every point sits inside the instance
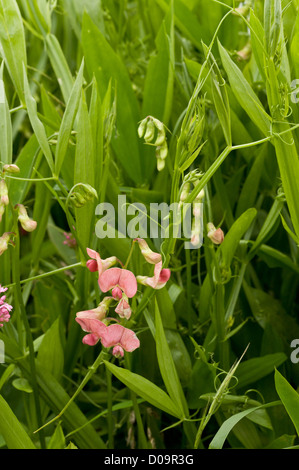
(289, 398)
(256, 368)
(244, 93)
(37, 125)
(105, 64)
(25, 161)
(185, 20)
(158, 88)
(145, 389)
(12, 430)
(60, 66)
(68, 121)
(84, 171)
(5, 124)
(57, 440)
(50, 353)
(167, 366)
(220, 96)
(232, 238)
(257, 39)
(22, 385)
(13, 43)
(221, 435)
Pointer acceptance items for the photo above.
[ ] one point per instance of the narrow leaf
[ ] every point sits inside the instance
(289, 398)
(145, 389)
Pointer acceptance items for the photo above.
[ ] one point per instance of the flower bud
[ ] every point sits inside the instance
(150, 256)
(118, 352)
(162, 151)
(185, 192)
(27, 224)
(12, 168)
(150, 131)
(3, 193)
(215, 235)
(4, 240)
(142, 127)
(82, 194)
(160, 140)
(160, 164)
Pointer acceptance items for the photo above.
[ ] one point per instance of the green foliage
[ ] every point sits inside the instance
(214, 367)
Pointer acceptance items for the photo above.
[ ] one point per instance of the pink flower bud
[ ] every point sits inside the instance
(116, 293)
(215, 235)
(118, 352)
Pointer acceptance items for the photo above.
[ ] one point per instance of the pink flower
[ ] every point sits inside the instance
(96, 313)
(149, 255)
(110, 336)
(215, 235)
(118, 277)
(118, 335)
(5, 308)
(97, 264)
(159, 279)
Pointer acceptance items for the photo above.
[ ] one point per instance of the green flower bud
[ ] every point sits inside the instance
(81, 194)
(150, 131)
(142, 127)
(11, 168)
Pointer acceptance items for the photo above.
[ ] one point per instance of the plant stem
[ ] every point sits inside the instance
(50, 273)
(19, 300)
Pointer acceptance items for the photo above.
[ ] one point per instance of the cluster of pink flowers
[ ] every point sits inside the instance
(5, 308)
(69, 240)
(123, 286)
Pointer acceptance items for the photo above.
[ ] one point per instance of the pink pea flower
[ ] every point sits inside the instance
(5, 308)
(159, 279)
(98, 264)
(110, 336)
(118, 335)
(98, 313)
(149, 255)
(96, 329)
(215, 235)
(118, 278)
